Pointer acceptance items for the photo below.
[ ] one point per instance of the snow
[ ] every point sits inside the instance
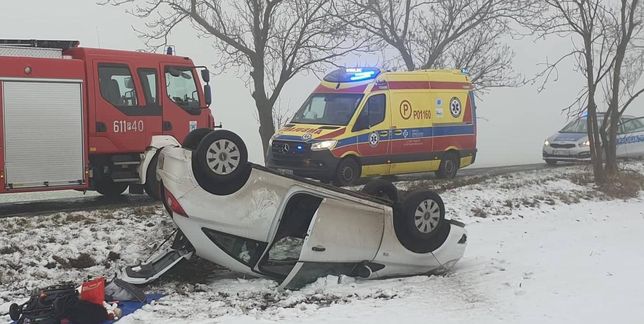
(542, 248)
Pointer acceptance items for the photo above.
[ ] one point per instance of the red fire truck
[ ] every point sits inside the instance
(84, 118)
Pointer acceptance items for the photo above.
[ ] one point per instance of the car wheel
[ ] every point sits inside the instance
(382, 189)
(193, 138)
(220, 163)
(15, 311)
(347, 173)
(449, 166)
(108, 188)
(151, 183)
(420, 223)
(551, 162)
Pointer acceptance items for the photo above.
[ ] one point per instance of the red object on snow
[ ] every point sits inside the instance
(93, 291)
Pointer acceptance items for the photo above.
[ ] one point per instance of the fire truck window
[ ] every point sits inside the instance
(149, 82)
(182, 88)
(117, 85)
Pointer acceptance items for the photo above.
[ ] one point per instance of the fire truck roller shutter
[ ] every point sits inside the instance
(44, 134)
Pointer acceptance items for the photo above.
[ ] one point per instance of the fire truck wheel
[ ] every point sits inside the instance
(449, 166)
(419, 221)
(347, 173)
(109, 188)
(193, 138)
(151, 183)
(382, 189)
(220, 163)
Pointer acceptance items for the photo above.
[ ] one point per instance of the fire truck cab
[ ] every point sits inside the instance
(84, 118)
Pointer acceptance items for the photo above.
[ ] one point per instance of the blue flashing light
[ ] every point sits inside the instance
(465, 71)
(362, 75)
(352, 74)
(299, 147)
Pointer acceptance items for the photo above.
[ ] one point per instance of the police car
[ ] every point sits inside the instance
(571, 143)
(257, 221)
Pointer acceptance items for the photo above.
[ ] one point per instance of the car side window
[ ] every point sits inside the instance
(634, 125)
(244, 250)
(149, 82)
(182, 88)
(116, 85)
(373, 113)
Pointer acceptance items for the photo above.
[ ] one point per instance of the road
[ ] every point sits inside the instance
(38, 204)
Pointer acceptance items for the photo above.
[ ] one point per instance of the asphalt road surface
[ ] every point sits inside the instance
(22, 205)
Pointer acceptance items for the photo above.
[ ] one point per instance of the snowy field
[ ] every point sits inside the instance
(544, 247)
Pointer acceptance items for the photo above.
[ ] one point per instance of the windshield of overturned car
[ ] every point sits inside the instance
(328, 109)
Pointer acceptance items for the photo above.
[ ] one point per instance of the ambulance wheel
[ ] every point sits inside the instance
(419, 222)
(108, 188)
(193, 138)
(382, 189)
(151, 183)
(449, 166)
(551, 162)
(220, 163)
(347, 173)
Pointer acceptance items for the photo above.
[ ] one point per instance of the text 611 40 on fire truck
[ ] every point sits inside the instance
(84, 119)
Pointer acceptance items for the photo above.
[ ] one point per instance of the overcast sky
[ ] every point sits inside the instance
(514, 121)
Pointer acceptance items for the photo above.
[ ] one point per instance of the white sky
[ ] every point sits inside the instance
(514, 122)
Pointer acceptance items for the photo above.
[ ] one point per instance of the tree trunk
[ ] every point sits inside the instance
(266, 125)
(611, 145)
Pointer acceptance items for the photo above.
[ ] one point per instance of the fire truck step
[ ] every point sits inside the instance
(125, 176)
(126, 160)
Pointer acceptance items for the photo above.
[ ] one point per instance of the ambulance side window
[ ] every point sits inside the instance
(372, 114)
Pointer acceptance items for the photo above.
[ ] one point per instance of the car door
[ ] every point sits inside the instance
(183, 103)
(372, 131)
(125, 122)
(342, 234)
(631, 142)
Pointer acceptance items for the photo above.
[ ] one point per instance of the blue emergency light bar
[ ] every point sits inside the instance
(352, 74)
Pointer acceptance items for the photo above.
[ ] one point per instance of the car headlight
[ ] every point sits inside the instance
(270, 141)
(546, 143)
(586, 143)
(324, 145)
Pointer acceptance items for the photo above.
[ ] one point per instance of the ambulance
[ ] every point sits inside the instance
(364, 122)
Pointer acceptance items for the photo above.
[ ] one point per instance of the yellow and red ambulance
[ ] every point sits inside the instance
(362, 122)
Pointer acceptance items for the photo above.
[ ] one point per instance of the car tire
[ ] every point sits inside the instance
(551, 162)
(108, 188)
(419, 222)
(449, 166)
(151, 185)
(381, 189)
(193, 138)
(15, 311)
(220, 163)
(347, 173)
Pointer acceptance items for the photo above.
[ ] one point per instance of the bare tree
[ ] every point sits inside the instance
(586, 22)
(443, 33)
(628, 23)
(269, 40)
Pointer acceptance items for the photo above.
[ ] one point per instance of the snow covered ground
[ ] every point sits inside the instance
(544, 247)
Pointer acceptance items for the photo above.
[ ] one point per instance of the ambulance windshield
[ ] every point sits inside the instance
(328, 109)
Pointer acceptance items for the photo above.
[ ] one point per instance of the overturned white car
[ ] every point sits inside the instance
(256, 221)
